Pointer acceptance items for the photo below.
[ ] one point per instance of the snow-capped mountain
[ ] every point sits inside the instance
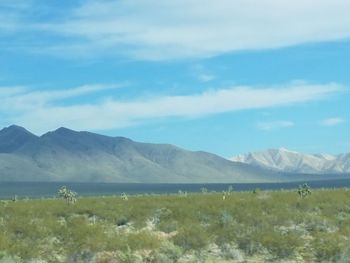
(295, 162)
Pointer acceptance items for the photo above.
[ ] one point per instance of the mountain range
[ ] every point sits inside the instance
(66, 155)
(284, 160)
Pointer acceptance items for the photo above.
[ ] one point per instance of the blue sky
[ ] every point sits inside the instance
(228, 77)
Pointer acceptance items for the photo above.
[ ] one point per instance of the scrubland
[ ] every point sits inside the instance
(259, 226)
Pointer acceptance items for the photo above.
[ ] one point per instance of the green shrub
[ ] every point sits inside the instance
(168, 226)
(44, 228)
(279, 245)
(168, 253)
(5, 258)
(329, 247)
(126, 256)
(143, 240)
(248, 244)
(191, 237)
(122, 221)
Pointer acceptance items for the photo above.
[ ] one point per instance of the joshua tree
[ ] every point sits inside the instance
(256, 191)
(67, 194)
(204, 190)
(223, 195)
(304, 190)
(182, 193)
(124, 196)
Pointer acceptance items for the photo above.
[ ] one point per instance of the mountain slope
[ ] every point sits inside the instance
(67, 155)
(14, 137)
(284, 160)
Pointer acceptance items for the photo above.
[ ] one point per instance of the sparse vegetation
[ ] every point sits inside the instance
(68, 195)
(267, 226)
(304, 190)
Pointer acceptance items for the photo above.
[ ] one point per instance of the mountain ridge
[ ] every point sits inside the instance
(284, 160)
(81, 156)
(68, 155)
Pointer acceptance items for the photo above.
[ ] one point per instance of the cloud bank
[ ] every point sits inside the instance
(162, 30)
(42, 111)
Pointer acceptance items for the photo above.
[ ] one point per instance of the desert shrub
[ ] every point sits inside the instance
(248, 244)
(25, 249)
(35, 228)
(167, 226)
(314, 223)
(226, 235)
(4, 241)
(80, 256)
(143, 240)
(161, 219)
(5, 258)
(278, 244)
(329, 247)
(230, 252)
(122, 221)
(127, 256)
(167, 253)
(83, 236)
(191, 237)
(224, 228)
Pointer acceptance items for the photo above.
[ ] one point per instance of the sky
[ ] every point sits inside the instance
(227, 77)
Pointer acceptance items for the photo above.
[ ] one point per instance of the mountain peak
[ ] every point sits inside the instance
(14, 128)
(64, 130)
(14, 137)
(282, 149)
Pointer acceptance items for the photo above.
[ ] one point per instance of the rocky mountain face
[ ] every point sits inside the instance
(284, 160)
(67, 155)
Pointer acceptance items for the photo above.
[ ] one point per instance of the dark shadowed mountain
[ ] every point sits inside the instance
(67, 155)
(13, 137)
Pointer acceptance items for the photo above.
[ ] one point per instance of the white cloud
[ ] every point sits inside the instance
(157, 30)
(205, 77)
(332, 121)
(24, 98)
(44, 114)
(53, 95)
(273, 125)
(202, 73)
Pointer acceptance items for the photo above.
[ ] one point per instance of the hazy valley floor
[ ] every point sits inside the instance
(260, 226)
(48, 189)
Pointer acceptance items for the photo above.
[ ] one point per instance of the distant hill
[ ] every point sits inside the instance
(283, 160)
(67, 155)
